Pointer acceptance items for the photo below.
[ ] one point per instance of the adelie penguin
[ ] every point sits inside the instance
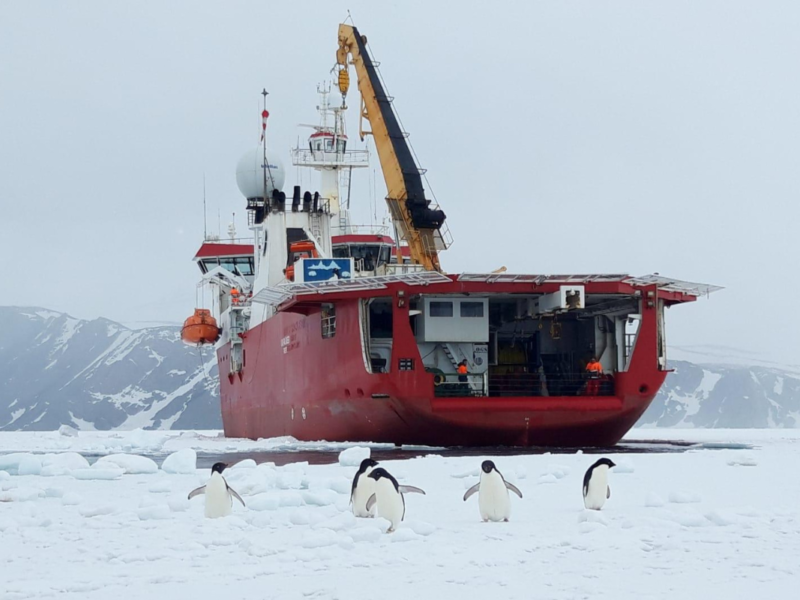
(389, 497)
(219, 495)
(493, 500)
(363, 488)
(595, 484)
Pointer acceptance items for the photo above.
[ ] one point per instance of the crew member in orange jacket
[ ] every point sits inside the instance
(595, 371)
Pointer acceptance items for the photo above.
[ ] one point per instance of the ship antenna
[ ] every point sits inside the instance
(265, 165)
(205, 212)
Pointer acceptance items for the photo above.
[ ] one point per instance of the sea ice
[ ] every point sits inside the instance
(98, 473)
(684, 497)
(743, 461)
(30, 465)
(624, 465)
(97, 510)
(263, 502)
(155, 512)
(67, 431)
(352, 457)
(146, 540)
(131, 464)
(182, 462)
(21, 494)
(178, 503)
(10, 462)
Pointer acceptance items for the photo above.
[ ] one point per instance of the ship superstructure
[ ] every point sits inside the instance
(329, 331)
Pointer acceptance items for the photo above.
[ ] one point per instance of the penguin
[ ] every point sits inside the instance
(363, 488)
(595, 484)
(493, 500)
(389, 497)
(219, 495)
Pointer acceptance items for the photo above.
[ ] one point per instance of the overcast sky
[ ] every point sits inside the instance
(559, 137)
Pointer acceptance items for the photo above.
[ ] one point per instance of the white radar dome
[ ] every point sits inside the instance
(251, 171)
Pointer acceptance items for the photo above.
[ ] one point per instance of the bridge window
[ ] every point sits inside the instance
(441, 309)
(471, 309)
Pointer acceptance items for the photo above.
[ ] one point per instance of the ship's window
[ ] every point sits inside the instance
(341, 145)
(441, 309)
(242, 265)
(471, 309)
(341, 251)
(386, 255)
(208, 264)
(328, 320)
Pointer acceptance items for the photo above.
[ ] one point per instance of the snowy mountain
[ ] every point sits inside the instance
(725, 396)
(57, 370)
(98, 374)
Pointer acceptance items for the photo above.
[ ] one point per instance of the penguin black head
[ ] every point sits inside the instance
(366, 464)
(487, 466)
(381, 473)
(218, 467)
(604, 461)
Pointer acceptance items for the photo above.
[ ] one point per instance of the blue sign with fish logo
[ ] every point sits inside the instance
(324, 269)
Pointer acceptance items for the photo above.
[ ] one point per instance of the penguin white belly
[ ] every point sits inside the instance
(390, 502)
(364, 489)
(218, 499)
(493, 500)
(598, 489)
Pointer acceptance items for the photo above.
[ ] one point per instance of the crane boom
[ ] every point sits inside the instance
(417, 223)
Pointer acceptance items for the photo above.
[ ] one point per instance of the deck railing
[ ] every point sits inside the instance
(521, 384)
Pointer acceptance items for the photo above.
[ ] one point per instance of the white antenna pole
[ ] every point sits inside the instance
(205, 215)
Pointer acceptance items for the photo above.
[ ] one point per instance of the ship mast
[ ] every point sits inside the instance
(264, 116)
(328, 152)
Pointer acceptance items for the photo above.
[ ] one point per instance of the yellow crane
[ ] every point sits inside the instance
(417, 223)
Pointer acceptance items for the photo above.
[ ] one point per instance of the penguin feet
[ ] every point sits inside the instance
(505, 520)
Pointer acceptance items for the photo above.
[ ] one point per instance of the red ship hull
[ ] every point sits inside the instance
(295, 382)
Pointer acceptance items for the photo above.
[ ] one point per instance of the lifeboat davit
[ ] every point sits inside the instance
(200, 328)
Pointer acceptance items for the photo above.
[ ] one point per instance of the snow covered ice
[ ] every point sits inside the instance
(698, 524)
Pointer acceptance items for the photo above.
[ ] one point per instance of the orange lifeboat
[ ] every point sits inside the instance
(200, 328)
(298, 250)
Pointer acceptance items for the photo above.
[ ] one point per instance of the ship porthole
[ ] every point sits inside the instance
(303, 412)
(643, 389)
(293, 413)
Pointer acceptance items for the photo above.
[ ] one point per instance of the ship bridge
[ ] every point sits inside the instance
(236, 257)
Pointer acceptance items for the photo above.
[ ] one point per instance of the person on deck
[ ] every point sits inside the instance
(462, 371)
(594, 370)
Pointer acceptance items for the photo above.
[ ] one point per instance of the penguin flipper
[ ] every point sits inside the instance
(513, 488)
(197, 492)
(371, 502)
(235, 495)
(608, 492)
(353, 487)
(472, 490)
(406, 489)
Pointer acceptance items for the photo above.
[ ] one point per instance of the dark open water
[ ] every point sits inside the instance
(324, 457)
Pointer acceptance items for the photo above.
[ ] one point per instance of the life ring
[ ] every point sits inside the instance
(438, 379)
